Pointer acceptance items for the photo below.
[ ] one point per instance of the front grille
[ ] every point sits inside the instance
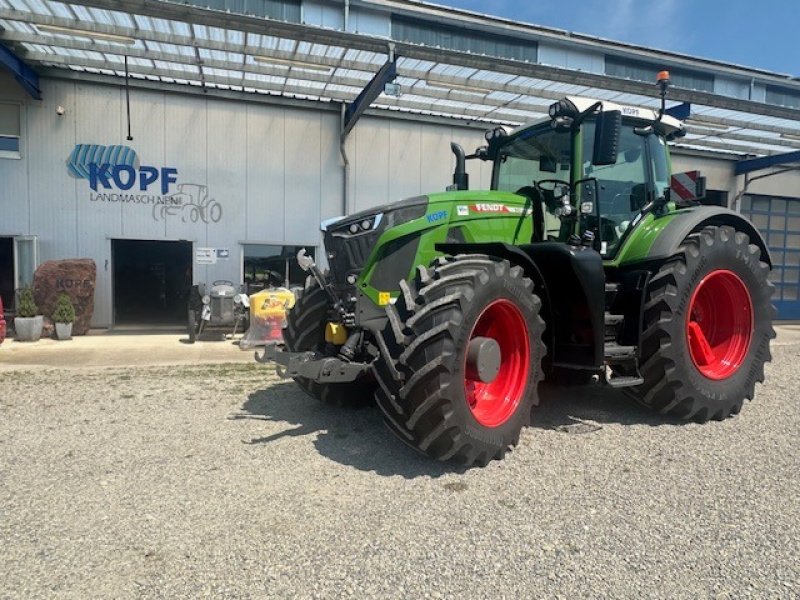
(221, 309)
(348, 253)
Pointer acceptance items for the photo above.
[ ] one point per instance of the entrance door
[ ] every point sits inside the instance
(7, 272)
(778, 220)
(151, 281)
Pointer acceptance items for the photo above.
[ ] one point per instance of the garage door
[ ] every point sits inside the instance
(778, 220)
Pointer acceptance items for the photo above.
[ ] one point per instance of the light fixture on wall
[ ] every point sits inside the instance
(95, 35)
(295, 64)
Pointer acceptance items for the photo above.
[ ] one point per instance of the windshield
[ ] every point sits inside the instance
(536, 154)
(542, 153)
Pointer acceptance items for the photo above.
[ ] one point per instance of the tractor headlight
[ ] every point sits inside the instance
(206, 299)
(563, 108)
(353, 228)
(242, 300)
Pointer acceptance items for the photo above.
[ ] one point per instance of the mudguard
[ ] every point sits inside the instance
(686, 221)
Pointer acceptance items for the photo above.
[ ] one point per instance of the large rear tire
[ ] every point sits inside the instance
(707, 327)
(429, 386)
(304, 331)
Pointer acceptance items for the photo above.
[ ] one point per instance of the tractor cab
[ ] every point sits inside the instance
(578, 181)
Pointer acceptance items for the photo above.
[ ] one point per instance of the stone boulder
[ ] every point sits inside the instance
(76, 277)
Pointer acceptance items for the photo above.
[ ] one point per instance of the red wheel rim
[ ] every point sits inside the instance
(493, 403)
(719, 324)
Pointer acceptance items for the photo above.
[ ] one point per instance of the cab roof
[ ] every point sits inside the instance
(668, 125)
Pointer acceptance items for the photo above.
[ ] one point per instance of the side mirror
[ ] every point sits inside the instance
(606, 138)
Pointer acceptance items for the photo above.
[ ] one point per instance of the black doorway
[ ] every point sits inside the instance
(151, 281)
(7, 272)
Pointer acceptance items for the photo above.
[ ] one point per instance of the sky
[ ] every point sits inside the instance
(763, 34)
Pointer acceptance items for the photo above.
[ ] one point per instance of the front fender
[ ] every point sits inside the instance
(658, 238)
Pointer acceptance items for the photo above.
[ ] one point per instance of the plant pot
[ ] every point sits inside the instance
(64, 331)
(29, 329)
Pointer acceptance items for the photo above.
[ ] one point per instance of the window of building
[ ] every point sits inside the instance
(643, 71)
(783, 96)
(9, 130)
(462, 39)
(267, 264)
(280, 10)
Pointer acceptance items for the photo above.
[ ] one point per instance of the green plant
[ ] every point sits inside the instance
(27, 307)
(64, 312)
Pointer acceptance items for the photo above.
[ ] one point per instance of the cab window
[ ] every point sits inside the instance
(622, 187)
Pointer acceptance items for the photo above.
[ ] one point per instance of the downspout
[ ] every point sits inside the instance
(342, 138)
(345, 163)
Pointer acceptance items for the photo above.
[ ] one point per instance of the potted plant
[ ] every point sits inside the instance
(64, 317)
(28, 322)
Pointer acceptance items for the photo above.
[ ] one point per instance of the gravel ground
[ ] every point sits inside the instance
(222, 481)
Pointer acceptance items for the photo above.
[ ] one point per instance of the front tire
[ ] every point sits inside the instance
(432, 392)
(304, 331)
(707, 327)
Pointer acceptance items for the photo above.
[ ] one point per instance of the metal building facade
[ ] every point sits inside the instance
(246, 172)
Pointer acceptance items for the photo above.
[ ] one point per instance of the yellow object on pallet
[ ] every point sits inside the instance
(271, 303)
(267, 316)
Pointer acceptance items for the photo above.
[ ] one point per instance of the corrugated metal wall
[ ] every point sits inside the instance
(274, 171)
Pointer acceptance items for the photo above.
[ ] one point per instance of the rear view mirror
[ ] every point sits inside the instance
(606, 138)
(548, 164)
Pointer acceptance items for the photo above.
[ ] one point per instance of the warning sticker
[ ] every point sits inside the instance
(384, 298)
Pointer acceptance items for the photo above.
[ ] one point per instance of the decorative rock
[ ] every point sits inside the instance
(76, 277)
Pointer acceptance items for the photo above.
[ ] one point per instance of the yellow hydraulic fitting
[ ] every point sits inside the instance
(335, 333)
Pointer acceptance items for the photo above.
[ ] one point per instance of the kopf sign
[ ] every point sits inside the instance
(124, 177)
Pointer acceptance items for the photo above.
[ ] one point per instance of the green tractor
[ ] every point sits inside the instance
(581, 263)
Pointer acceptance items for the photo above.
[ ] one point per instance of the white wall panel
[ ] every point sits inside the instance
(438, 161)
(303, 177)
(52, 193)
(369, 156)
(265, 173)
(226, 157)
(187, 134)
(331, 168)
(149, 130)
(405, 160)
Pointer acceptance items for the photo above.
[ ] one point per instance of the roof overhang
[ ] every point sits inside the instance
(172, 43)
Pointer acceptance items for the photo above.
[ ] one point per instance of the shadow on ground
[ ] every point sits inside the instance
(358, 438)
(563, 406)
(353, 437)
